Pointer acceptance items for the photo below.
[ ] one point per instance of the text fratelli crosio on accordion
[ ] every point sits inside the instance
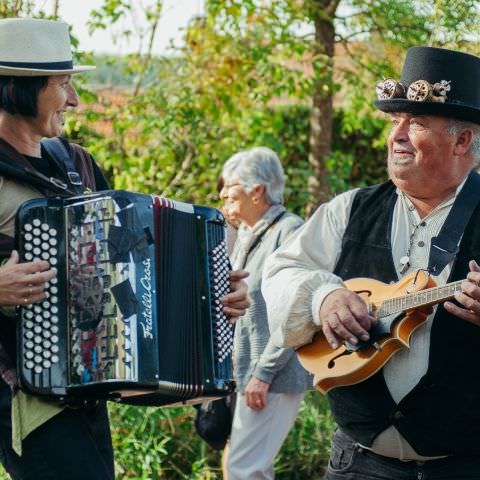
(134, 312)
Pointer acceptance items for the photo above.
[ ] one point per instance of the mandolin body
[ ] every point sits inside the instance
(341, 367)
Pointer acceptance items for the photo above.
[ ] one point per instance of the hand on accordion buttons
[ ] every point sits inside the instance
(235, 303)
(24, 283)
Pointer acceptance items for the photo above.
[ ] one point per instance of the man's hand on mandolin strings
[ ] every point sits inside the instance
(344, 316)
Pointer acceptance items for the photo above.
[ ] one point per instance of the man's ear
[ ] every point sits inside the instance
(464, 140)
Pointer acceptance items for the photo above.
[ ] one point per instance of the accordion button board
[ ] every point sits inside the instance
(134, 313)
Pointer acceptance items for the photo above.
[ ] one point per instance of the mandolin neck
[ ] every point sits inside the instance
(424, 298)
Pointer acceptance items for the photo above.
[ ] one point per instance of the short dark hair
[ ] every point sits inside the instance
(19, 95)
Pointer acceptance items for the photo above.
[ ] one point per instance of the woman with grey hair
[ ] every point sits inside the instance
(270, 381)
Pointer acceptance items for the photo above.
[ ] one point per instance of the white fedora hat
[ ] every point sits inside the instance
(32, 47)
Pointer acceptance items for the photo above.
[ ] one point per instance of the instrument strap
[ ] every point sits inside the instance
(445, 246)
(259, 238)
(59, 152)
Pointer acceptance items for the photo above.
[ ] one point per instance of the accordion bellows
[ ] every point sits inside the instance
(134, 313)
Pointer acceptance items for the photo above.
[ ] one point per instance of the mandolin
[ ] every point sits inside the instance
(396, 308)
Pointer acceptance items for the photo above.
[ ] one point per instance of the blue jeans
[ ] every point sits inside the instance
(73, 445)
(349, 461)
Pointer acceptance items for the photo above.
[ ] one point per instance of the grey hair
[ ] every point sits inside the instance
(259, 165)
(456, 126)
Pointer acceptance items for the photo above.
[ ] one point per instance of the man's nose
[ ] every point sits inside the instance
(399, 132)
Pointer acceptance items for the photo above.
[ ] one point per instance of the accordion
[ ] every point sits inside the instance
(134, 313)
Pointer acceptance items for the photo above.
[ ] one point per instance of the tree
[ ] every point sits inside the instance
(246, 57)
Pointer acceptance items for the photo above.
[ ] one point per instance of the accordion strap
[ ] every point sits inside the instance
(60, 153)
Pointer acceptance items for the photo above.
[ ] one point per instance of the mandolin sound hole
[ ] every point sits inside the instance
(331, 363)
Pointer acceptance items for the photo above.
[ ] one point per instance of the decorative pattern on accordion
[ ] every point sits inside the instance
(219, 275)
(101, 349)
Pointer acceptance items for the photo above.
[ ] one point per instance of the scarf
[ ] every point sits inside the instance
(248, 237)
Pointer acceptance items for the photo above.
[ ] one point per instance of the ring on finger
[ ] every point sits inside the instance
(25, 300)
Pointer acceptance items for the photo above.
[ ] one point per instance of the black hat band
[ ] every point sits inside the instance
(68, 65)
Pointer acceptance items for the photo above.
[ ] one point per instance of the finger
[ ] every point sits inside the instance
(470, 286)
(256, 403)
(351, 323)
(468, 302)
(31, 290)
(360, 312)
(340, 330)
(36, 298)
(40, 278)
(241, 304)
(236, 275)
(330, 336)
(462, 313)
(474, 266)
(239, 294)
(473, 279)
(14, 258)
(34, 267)
(249, 400)
(234, 312)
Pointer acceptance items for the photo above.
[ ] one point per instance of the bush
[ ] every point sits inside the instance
(161, 443)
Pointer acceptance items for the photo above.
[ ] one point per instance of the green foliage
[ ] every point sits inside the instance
(305, 452)
(358, 154)
(165, 441)
(169, 448)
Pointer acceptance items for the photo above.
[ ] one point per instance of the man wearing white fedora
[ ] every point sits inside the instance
(40, 439)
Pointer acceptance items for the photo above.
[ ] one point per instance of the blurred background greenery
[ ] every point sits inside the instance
(295, 75)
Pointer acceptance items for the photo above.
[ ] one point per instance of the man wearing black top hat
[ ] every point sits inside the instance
(418, 417)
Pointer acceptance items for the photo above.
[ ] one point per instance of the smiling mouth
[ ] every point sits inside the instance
(399, 151)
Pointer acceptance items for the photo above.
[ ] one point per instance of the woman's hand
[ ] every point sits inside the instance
(256, 393)
(24, 283)
(235, 303)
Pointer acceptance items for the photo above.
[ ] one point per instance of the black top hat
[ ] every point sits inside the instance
(435, 81)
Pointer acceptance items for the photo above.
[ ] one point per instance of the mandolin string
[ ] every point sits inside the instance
(423, 298)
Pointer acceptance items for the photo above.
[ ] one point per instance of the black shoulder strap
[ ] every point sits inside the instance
(34, 178)
(445, 246)
(59, 152)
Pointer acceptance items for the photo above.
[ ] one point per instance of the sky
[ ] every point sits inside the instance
(177, 14)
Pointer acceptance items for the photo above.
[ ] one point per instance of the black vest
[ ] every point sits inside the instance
(441, 415)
